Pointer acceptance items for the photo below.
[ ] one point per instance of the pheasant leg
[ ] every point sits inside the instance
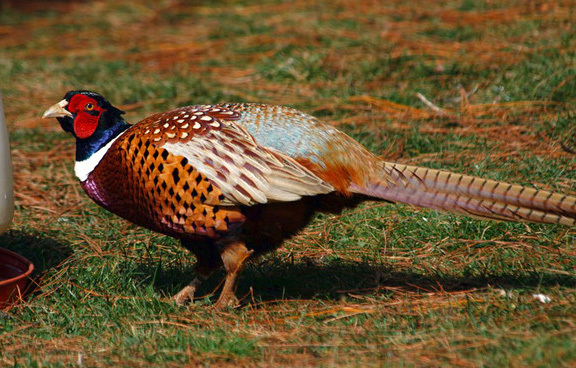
(233, 257)
(186, 295)
(207, 262)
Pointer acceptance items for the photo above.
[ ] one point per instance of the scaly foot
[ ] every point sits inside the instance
(186, 295)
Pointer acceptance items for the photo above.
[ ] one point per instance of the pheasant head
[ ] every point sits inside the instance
(90, 118)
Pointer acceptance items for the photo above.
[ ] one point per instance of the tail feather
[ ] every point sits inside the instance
(468, 195)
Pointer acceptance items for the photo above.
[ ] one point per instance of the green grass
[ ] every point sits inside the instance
(379, 285)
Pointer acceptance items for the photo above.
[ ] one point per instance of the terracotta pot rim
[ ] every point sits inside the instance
(24, 275)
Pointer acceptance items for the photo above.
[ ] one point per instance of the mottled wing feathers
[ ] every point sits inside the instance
(324, 150)
(245, 172)
(183, 124)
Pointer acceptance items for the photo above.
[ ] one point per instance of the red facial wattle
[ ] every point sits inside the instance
(85, 124)
(88, 114)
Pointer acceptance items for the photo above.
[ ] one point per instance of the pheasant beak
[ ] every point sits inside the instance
(57, 111)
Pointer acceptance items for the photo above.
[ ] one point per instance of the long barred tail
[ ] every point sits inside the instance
(469, 195)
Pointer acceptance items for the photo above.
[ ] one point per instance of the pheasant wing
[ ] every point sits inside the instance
(244, 171)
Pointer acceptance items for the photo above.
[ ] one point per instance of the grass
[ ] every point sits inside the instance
(379, 285)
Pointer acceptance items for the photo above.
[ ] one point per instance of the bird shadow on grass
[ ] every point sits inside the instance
(334, 280)
(331, 281)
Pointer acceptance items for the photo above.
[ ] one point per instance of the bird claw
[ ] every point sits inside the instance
(184, 296)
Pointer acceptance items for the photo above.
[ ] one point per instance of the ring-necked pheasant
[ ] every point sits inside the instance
(233, 181)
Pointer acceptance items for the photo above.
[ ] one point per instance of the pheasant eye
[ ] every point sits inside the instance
(89, 107)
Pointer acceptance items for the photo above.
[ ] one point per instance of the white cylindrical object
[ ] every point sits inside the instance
(6, 189)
